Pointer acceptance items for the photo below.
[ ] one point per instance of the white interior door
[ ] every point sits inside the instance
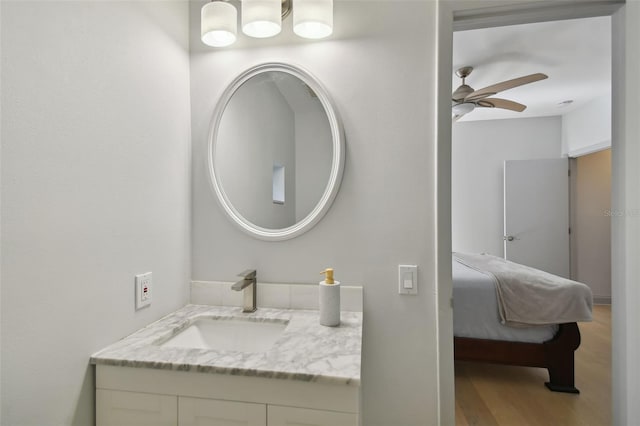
(536, 214)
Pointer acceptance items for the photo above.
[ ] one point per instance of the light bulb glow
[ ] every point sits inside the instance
(218, 24)
(313, 18)
(218, 38)
(261, 18)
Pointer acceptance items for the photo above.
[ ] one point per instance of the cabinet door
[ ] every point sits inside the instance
(289, 416)
(117, 408)
(212, 412)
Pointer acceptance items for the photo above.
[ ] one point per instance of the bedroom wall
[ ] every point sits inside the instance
(95, 189)
(479, 149)
(379, 68)
(588, 128)
(591, 223)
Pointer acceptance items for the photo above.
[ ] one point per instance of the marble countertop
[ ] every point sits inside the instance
(305, 351)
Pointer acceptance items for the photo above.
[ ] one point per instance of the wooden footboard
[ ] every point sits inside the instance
(556, 355)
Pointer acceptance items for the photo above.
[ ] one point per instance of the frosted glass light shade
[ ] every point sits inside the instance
(219, 24)
(463, 108)
(261, 18)
(313, 18)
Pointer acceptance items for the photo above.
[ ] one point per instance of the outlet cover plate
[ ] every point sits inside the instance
(143, 290)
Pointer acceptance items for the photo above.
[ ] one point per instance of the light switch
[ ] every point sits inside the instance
(407, 279)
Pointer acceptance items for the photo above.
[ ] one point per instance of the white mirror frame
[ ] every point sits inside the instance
(337, 159)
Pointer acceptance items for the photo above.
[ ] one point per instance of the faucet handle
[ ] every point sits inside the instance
(248, 274)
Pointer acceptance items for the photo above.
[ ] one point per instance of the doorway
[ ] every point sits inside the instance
(510, 173)
(591, 215)
(624, 153)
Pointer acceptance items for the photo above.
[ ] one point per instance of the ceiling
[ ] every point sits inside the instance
(575, 54)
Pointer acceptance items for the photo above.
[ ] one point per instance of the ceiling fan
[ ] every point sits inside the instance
(465, 98)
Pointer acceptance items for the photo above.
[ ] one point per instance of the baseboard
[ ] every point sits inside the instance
(601, 300)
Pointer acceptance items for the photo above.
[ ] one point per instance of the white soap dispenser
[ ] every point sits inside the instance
(329, 300)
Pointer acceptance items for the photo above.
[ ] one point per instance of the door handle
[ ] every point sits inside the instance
(509, 238)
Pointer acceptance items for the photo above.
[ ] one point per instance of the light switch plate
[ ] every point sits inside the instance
(408, 279)
(143, 290)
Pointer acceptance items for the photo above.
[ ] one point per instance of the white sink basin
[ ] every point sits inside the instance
(232, 334)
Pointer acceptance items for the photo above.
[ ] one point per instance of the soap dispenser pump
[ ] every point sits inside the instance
(329, 300)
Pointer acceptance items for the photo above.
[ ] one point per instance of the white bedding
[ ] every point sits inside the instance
(475, 310)
(528, 296)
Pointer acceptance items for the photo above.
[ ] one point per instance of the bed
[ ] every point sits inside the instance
(483, 334)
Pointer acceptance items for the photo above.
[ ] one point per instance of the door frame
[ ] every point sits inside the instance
(472, 14)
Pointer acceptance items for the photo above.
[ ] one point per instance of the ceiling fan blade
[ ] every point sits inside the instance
(505, 85)
(501, 103)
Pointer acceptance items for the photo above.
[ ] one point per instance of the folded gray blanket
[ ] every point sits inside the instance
(528, 296)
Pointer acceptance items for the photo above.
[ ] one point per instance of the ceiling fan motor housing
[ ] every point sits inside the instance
(461, 93)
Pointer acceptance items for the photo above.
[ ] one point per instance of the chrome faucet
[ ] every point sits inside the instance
(248, 285)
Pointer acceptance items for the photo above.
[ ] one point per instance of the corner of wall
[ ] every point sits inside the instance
(588, 128)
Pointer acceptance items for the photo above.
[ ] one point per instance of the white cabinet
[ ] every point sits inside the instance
(291, 416)
(117, 408)
(212, 412)
(142, 396)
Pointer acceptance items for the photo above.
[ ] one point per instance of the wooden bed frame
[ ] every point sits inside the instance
(556, 355)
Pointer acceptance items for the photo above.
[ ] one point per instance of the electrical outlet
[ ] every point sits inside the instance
(143, 290)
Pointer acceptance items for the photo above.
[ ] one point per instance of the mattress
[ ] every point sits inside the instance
(475, 310)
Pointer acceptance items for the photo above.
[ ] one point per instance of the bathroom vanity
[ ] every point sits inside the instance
(217, 365)
(171, 373)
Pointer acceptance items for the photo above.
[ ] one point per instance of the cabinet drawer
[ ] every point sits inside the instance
(118, 408)
(290, 416)
(210, 412)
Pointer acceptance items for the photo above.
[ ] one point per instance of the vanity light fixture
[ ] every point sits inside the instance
(219, 24)
(312, 19)
(261, 18)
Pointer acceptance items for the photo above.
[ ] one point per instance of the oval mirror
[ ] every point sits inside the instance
(276, 151)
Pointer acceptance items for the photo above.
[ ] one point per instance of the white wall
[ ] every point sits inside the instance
(1, 316)
(313, 157)
(479, 149)
(591, 223)
(625, 229)
(1, 220)
(379, 67)
(587, 128)
(95, 188)
(257, 132)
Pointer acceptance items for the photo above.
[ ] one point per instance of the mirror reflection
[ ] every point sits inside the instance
(273, 150)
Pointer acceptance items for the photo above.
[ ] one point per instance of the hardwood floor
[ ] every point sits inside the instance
(488, 395)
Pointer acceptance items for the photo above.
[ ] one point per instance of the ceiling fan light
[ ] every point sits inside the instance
(313, 18)
(462, 109)
(261, 18)
(218, 24)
